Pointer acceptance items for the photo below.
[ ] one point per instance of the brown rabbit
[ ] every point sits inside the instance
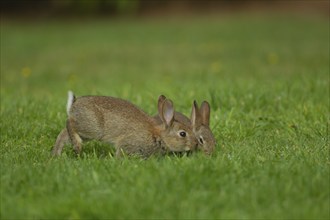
(121, 123)
(199, 122)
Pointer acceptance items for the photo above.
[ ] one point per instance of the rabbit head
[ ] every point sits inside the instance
(200, 122)
(176, 136)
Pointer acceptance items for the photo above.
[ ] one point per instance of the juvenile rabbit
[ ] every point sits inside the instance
(199, 122)
(121, 123)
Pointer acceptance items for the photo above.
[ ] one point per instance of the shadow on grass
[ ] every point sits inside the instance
(91, 148)
(101, 150)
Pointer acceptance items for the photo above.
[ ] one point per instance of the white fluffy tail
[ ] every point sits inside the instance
(71, 99)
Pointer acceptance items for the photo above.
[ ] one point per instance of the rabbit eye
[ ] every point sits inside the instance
(201, 140)
(183, 134)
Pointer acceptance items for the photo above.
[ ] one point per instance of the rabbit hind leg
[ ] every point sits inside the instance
(74, 136)
(62, 139)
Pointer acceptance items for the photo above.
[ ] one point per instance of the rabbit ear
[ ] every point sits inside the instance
(161, 100)
(205, 113)
(195, 115)
(167, 113)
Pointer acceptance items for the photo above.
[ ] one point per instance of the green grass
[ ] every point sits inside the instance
(266, 78)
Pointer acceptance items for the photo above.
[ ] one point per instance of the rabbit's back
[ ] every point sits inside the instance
(109, 119)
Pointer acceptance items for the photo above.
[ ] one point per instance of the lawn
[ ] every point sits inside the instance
(266, 78)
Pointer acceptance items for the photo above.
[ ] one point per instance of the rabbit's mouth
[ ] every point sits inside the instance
(178, 150)
(187, 148)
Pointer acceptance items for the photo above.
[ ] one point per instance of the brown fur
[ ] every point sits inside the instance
(62, 139)
(199, 122)
(128, 128)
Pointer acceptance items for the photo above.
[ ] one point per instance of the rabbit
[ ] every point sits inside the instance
(199, 122)
(121, 123)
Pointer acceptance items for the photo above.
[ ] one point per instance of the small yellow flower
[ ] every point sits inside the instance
(26, 72)
(272, 58)
(72, 77)
(215, 67)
